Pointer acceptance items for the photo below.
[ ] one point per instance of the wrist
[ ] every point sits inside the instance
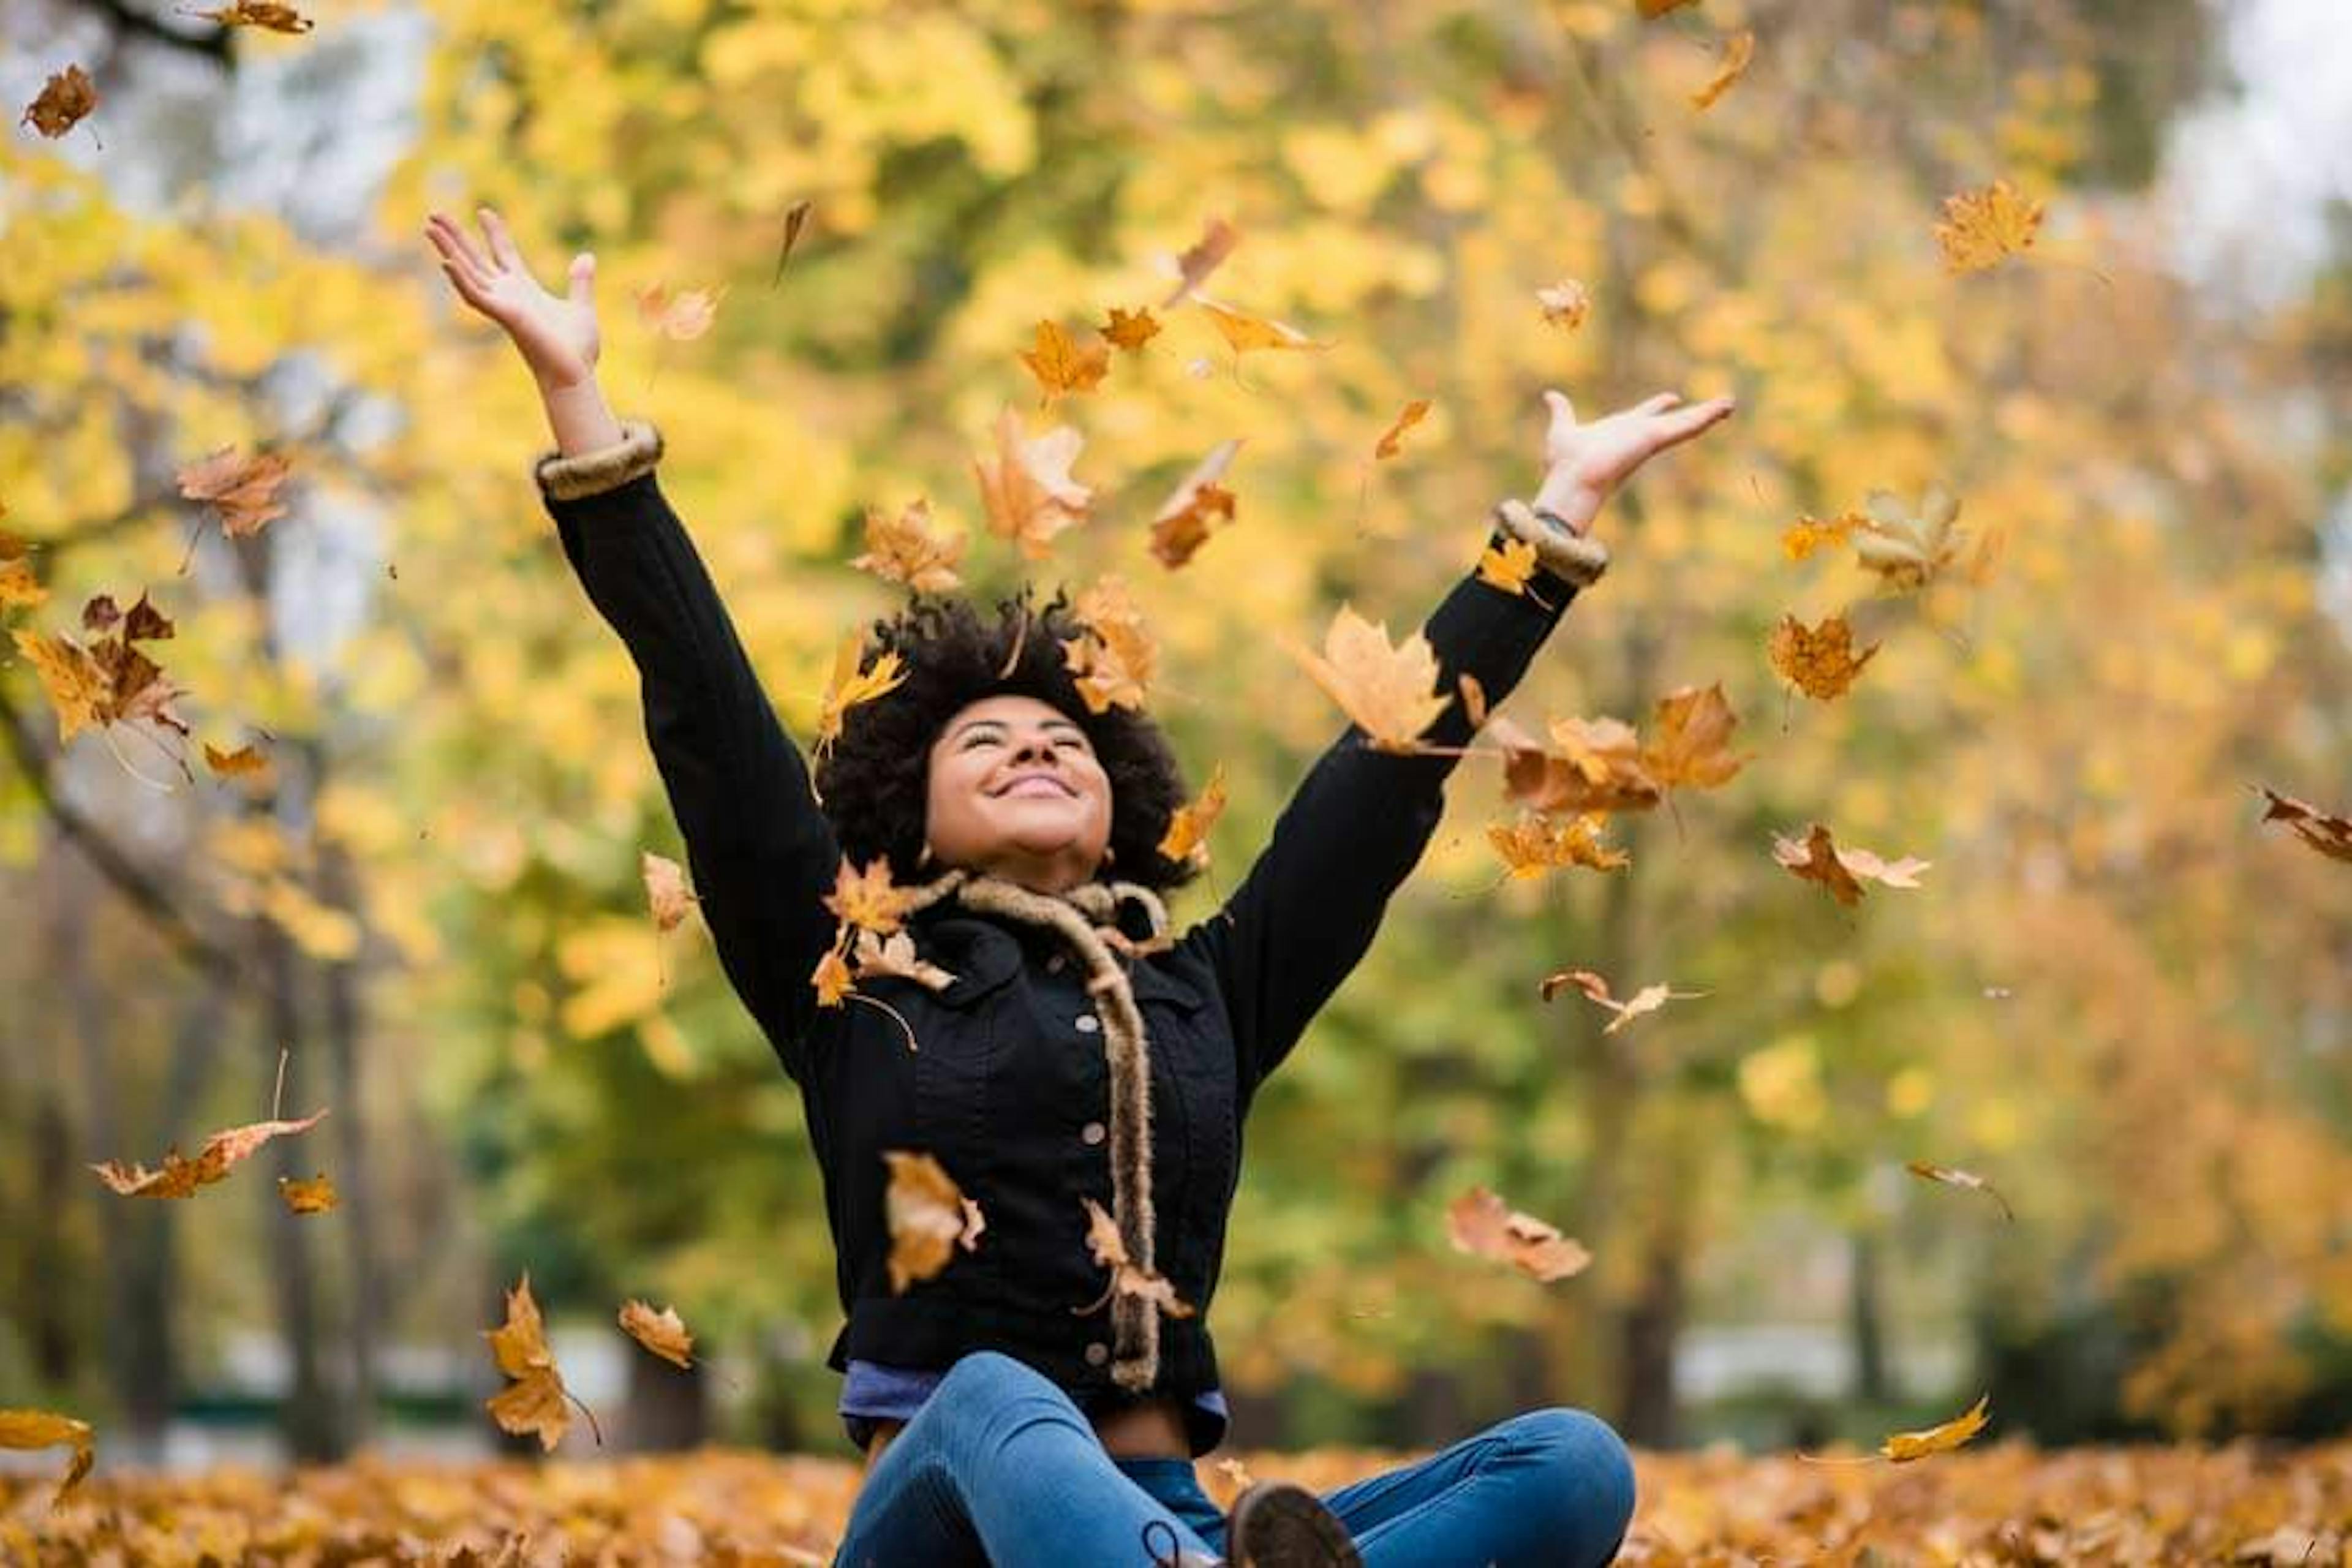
(1567, 553)
(1564, 496)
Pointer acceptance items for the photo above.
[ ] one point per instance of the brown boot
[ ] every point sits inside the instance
(1278, 1524)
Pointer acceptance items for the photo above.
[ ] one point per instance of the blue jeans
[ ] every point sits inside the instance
(999, 1467)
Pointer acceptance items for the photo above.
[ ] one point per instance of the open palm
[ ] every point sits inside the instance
(556, 333)
(1585, 463)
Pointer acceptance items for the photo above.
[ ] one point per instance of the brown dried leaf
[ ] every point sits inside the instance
(1815, 859)
(1537, 843)
(1187, 837)
(44, 1429)
(1028, 493)
(665, 889)
(1185, 519)
(1391, 693)
(1061, 366)
(66, 99)
(2329, 833)
(907, 549)
(1821, 661)
(1481, 1223)
(663, 1333)
(1202, 257)
(316, 1195)
(928, 1216)
(180, 1178)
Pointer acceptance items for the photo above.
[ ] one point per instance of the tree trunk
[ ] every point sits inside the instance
(354, 1188)
(1652, 1325)
(1867, 1322)
(311, 1428)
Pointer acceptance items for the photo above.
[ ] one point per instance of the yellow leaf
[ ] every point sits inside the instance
(1391, 693)
(1736, 55)
(18, 586)
(1692, 740)
(533, 1402)
(1969, 1180)
(1129, 331)
(1061, 367)
(246, 761)
(663, 1333)
(316, 1195)
(1537, 843)
(1820, 662)
(262, 14)
(180, 1178)
(1482, 1225)
(851, 686)
(1242, 332)
(1904, 1446)
(1410, 416)
(867, 899)
(1981, 227)
(1128, 1277)
(1115, 656)
(1564, 304)
(928, 1217)
(1187, 837)
(1190, 511)
(1507, 565)
(77, 688)
(1028, 493)
(906, 549)
(832, 979)
(44, 1429)
(895, 955)
(1808, 534)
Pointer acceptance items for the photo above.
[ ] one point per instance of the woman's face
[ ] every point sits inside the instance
(1015, 790)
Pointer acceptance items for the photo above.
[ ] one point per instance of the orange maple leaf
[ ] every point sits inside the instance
(928, 1217)
(1809, 533)
(316, 1195)
(1187, 837)
(1820, 661)
(1391, 693)
(243, 490)
(533, 1402)
(1061, 367)
(1982, 227)
(869, 900)
(851, 686)
(832, 979)
(1027, 492)
(906, 549)
(66, 98)
(1244, 332)
(1537, 843)
(1816, 859)
(1482, 1225)
(180, 1178)
(1185, 519)
(1507, 565)
(1692, 740)
(663, 1333)
(1128, 1277)
(1129, 331)
(1407, 417)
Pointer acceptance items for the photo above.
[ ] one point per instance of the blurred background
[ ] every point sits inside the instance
(2118, 996)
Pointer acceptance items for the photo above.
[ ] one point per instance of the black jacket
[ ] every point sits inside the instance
(1009, 1089)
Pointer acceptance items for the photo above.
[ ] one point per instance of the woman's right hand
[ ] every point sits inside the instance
(556, 333)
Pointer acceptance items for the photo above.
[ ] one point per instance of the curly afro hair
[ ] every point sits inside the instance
(874, 782)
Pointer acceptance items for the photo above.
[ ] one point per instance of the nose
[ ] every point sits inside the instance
(1033, 749)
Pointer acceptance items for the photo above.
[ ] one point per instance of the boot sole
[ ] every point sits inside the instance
(1277, 1524)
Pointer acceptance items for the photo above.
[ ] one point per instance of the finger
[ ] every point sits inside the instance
(1562, 410)
(1685, 423)
(452, 244)
(465, 289)
(453, 260)
(503, 245)
(465, 243)
(1661, 402)
(583, 278)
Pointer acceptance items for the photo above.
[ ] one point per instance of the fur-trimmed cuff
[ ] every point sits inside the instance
(607, 468)
(1576, 558)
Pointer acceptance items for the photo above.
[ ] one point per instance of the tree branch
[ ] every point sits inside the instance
(130, 20)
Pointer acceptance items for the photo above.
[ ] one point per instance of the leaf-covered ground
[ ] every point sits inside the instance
(2004, 1505)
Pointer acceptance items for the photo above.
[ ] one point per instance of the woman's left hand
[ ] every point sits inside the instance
(1584, 463)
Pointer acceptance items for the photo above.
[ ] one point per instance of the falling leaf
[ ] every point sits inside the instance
(1391, 693)
(1597, 767)
(1981, 227)
(1692, 740)
(1537, 843)
(796, 219)
(45, 1429)
(851, 686)
(1564, 303)
(663, 1333)
(247, 760)
(532, 1403)
(1128, 1277)
(1810, 533)
(665, 889)
(1819, 662)
(66, 98)
(1507, 565)
(1242, 332)
(1908, 551)
(316, 1195)
(1028, 492)
(895, 955)
(1187, 839)
(18, 586)
(1951, 1178)
(258, 14)
(243, 490)
(1904, 1446)
(1480, 1224)
(1648, 999)
(1651, 9)
(1410, 416)
(1474, 699)
(867, 899)
(928, 1216)
(1114, 656)
(109, 681)
(180, 1178)
(832, 979)
(77, 688)
(1204, 255)
(1129, 331)
(1185, 519)
(1736, 55)
(1816, 859)
(2330, 835)
(1061, 367)
(905, 549)
(681, 316)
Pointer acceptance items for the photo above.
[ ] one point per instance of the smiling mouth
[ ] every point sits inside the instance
(1037, 785)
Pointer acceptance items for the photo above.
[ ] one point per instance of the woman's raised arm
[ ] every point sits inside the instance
(761, 854)
(1308, 909)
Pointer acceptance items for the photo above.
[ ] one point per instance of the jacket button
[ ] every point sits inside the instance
(1093, 1133)
(1055, 963)
(1098, 1352)
(1088, 1023)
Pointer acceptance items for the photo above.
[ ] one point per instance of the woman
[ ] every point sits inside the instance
(1012, 1408)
